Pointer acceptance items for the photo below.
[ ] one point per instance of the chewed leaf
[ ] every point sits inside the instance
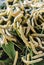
(9, 50)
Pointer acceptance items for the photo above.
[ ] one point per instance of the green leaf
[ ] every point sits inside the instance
(9, 50)
(2, 63)
(18, 43)
(40, 63)
(6, 62)
(0, 54)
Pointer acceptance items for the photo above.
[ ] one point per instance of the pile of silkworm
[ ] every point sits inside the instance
(28, 20)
